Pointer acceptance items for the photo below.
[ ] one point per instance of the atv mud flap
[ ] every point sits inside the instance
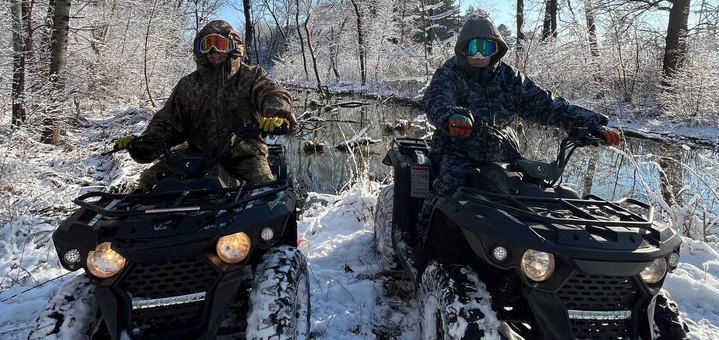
(210, 309)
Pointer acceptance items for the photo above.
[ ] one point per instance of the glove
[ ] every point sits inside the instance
(459, 125)
(610, 136)
(122, 142)
(269, 124)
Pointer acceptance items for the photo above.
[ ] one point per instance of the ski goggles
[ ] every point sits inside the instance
(481, 48)
(219, 43)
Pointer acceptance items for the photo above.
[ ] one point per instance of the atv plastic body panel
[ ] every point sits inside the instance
(600, 247)
(173, 285)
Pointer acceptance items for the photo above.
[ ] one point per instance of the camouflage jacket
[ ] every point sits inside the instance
(497, 95)
(211, 100)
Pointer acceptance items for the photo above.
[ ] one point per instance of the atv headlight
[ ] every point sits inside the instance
(537, 265)
(233, 248)
(103, 262)
(655, 271)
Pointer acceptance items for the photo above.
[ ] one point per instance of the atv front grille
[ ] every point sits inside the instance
(598, 293)
(602, 330)
(165, 280)
(172, 278)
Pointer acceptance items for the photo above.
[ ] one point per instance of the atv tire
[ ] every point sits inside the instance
(280, 297)
(383, 229)
(70, 313)
(667, 319)
(455, 305)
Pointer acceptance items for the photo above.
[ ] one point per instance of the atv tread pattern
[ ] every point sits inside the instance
(465, 307)
(667, 320)
(274, 296)
(383, 229)
(70, 313)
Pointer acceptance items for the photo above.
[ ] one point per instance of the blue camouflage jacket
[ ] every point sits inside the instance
(497, 95)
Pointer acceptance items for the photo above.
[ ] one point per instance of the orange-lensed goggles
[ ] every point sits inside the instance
(219, 43)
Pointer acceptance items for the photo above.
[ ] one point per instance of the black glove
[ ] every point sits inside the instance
(145, 149)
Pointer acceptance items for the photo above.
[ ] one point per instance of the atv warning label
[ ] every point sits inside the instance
(419, 187)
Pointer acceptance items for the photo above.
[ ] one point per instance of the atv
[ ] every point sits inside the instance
(513, 254)
(196, 256)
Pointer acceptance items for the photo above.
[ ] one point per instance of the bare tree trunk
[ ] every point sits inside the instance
(554, 6)
(591, 28)
(246, 8)
(671, 177)
(18, 75)
(58, 54)
(312, 54)
(302, 43)
(147, 38)
(549, 27)
(547, 22)
(277, 22)
(520, 32)
(676, 39)
(360, 40)
(591, 171)
(29, 47)
(424, 37)
(402, 23)
(333, 47)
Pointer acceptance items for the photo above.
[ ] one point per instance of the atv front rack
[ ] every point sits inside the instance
(188, 201)
(590, 211)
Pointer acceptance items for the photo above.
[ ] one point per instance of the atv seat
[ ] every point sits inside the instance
(494, 177)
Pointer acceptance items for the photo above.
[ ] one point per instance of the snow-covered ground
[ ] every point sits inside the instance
(351, 298)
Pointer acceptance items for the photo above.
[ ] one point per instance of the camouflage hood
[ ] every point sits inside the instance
(232, 64)
(478, 28)
(208, 102)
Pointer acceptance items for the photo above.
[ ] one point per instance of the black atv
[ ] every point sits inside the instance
(198, 255)
(513, 254)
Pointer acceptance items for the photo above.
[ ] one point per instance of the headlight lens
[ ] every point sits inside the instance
(233, 248)
(673, 260)
(103, 262)
(537, 265)
(655, 271)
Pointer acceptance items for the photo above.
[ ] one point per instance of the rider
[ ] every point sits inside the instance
(475, 88)
(222, 93)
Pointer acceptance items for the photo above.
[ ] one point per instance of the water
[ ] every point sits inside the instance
(616, 174)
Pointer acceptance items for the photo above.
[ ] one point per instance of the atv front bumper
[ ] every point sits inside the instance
(179, 299)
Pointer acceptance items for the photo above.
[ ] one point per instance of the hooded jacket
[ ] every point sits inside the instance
(211, 100)
(497, 95)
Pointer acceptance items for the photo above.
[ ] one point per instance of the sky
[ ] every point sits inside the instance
(501, 11)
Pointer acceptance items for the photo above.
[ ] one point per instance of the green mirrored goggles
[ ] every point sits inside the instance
(481, 48)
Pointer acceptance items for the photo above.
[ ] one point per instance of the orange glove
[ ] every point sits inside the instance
(611, 136)
(459, 125)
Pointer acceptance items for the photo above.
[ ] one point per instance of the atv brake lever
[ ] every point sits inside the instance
(112, 151)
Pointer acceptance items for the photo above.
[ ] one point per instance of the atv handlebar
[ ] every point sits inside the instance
(150, 147)
(245, 132)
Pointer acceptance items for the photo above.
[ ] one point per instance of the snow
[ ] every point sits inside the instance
(351, 298)
(694, 286)
(348, 296)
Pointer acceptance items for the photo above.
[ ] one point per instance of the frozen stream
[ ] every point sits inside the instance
(614, 173)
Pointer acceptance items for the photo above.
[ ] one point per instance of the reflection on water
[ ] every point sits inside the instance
(602, 171)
